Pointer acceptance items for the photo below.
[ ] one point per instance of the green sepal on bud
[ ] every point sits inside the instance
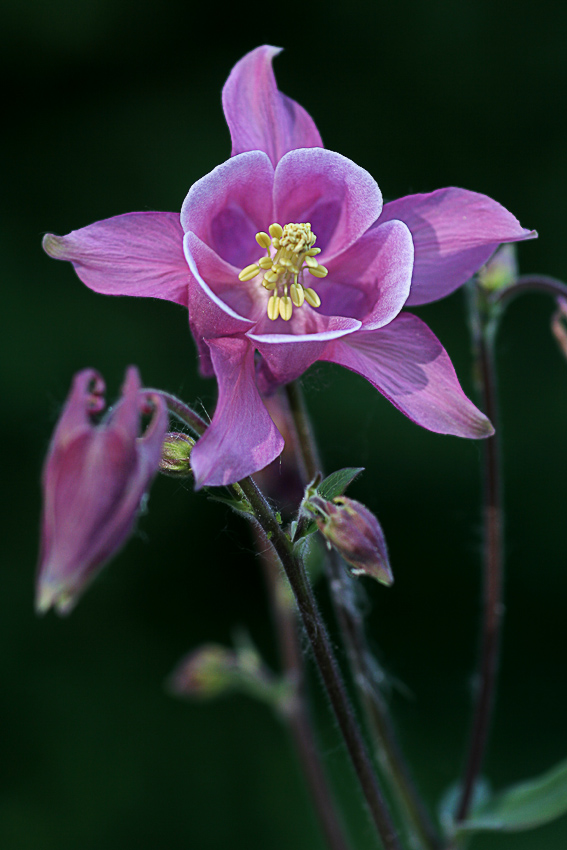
(355, 533)
(327, 488)
(176, 454)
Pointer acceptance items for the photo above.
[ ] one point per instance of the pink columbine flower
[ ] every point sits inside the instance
(286, 250)
(94, 479)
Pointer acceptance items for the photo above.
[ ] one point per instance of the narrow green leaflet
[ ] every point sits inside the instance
(523, 806)
(336, 483)
(239, 506)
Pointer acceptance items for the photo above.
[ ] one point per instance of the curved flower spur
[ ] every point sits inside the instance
(285, 255)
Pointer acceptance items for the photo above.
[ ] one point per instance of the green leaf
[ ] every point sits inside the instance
(523, 806)
(451, 799)
(336, 483)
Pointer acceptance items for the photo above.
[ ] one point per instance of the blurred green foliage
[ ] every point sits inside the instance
(110, 107)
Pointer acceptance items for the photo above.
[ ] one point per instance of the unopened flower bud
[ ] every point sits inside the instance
(207, 672)
(94, 480)
(500, 271)
(356, 534)
(213, 670)
(176, 454)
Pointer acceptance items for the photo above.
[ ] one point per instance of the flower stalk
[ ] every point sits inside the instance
(529, 283)
(485, 311)
(295, 711)
(182, 411)
(326, 664)
(376, 715)
(484, 320)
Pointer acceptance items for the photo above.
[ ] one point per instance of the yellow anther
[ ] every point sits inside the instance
(297, 237)
(249, 272)
(289, 253)
(320, 271)
(286, 308)
(263, 239)
(297, 294)
(311, 297)
(273, 307)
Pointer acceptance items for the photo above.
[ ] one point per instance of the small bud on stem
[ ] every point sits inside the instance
(355, 533)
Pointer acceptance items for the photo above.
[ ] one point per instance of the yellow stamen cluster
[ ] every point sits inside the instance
(283, 270)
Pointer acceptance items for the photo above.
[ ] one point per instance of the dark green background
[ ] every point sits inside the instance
(110, 107)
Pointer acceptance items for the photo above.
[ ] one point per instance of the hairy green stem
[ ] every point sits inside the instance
(377, 718)
(183, 412)
(326, 664)
(296, 712)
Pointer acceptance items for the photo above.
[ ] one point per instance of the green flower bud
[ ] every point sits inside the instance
(205, 673)
(500, 271)
(176, 454)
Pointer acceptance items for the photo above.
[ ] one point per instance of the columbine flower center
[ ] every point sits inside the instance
(289, 252)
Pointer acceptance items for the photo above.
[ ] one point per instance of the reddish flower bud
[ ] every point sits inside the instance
(356, 534)
(212, 670)
(94, 479)
(206, 672)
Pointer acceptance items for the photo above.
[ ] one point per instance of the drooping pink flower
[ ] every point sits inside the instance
(257, 320)
(94, 479)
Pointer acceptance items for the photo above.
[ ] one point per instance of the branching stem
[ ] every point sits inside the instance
(296, 712)
(376, 713)
(326, 664)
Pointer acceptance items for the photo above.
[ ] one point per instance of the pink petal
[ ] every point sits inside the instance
(371, 279)
(259, 116)
(211, 316)
(454, 233)
(86, 397)
(137, 254)
(286, 356)
(94, 480)
(228, 206)
(241, 438)
(339, 199)
(246, 298)
(406, 363)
